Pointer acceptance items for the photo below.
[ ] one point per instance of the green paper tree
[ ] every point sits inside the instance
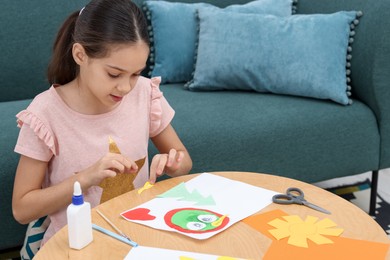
(180, 192)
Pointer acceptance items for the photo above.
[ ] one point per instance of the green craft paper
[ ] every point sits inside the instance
(180, 192)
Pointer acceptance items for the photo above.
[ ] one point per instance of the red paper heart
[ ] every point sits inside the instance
(138, 214)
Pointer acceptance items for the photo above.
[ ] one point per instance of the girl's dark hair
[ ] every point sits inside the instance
(100, 24)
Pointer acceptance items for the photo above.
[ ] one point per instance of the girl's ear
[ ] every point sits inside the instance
(79, 54)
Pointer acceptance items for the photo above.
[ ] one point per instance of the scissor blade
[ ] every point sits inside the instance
(311, 205)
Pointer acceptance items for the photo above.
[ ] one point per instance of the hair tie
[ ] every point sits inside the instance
(82, 9)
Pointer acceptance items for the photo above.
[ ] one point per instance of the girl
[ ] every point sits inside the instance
(96, 92)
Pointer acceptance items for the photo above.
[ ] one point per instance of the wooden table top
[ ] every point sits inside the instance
(246, 241)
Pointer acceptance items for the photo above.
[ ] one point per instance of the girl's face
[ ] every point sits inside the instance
(105, 81)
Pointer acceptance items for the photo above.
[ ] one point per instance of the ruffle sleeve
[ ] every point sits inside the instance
(39, 128)
(155, 106)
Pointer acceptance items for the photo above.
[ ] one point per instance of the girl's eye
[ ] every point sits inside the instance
(113, 75)
(207, 218)
(195, 225)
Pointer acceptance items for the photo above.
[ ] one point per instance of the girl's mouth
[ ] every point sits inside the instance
(116, 98)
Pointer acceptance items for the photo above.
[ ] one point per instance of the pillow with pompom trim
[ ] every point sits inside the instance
(173, 31)
(302, 55)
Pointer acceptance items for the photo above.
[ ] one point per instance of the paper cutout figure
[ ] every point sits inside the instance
(298, 231)
(146, 186)
(181, 193)
(138, 214)
(112, 147)
(214, 194)
(342, 247)
(143, 252)
(122, 182)
(193, 220)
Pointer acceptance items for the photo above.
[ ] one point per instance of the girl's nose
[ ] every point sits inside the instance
(125, 86)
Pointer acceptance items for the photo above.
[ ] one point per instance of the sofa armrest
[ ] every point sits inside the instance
(371, 69)
(370, 65)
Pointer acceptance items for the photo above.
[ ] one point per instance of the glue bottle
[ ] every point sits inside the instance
(79, 220)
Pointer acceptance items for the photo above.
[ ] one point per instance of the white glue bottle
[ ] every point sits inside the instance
(79, 220)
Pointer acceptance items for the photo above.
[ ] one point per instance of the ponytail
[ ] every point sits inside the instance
(62, 67)
(101, 24)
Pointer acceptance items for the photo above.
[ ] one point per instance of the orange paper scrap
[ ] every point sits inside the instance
(122, 182)
(341, 248)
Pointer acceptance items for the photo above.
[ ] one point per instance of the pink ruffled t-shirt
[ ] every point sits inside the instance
(71, 142)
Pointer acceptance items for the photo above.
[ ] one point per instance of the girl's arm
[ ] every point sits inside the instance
(173, 159)
(30, 201)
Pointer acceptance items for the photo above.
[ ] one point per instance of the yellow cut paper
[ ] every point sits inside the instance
(219, 221)
(122, 182)
(112, 147)
(299, 231)
(146, 186)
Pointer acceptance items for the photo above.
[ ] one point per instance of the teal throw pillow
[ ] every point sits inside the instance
(174, 32)
(303, 55)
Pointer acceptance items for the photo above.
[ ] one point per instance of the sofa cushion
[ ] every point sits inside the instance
(302, 138)
(173, 33)
(305, 55)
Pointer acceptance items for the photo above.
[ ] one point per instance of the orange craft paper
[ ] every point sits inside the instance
(342, 248)
(122, 182)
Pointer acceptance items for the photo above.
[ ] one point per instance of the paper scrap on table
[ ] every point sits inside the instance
(201, 207)
(122, 182)
(298, 231)
(143, 252)
(341, 248)
(146, 186)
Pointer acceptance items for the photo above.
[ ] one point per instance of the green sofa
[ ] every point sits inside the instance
(302, 138)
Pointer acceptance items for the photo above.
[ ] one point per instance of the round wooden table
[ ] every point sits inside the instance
(238, 240)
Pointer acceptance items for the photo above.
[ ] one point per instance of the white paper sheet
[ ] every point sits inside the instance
(208, 195)
(142, 252)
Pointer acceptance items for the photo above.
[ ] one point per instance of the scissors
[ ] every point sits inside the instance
(296, 196)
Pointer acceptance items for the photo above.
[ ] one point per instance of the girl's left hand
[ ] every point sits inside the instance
(162, 163)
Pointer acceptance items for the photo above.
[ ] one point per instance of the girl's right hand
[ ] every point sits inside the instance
(108, 166)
